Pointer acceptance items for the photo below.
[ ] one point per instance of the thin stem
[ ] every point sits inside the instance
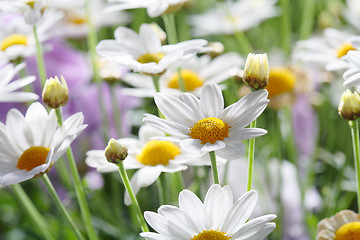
(61, 207)
(214, 167)
(251, 158)
(80, 193)
(181, 81)
(161, 185)
(285, 26)
(36, 217)
(116, 111)
(354, 127)
(39, 58)
(156, 83)
(244, 44)
(170, 27)
(134, 201)
(307, 19)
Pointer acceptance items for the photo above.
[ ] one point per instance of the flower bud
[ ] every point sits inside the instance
(55, 94)
(115, 152)
(256, 72)
(217, 48)
(349, 107)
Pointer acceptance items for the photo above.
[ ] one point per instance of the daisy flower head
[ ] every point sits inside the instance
(32, 11)
(344, 225)
(151, 157)
(154, 8)
(17, 38)
(204, 125)
(30, 144)
(325, 51)
(8, 87)
(233, 16)
(195, 72)
(217, 218)
(144, 53)
(352, 74)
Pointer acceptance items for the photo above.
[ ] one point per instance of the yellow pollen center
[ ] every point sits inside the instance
(151, 57)
(11, 40)
(157, 152)
(210, 130)
(30, 3)
(76, 19)
(349, 231)
(211, 235)
(281, 80)
(32, 158)
(343, 49)
(191, 80)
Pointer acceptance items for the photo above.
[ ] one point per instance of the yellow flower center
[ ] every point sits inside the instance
(32, 158)
(11, 40)
(191, 80)
(30, 3)
(151, 57)
(210, 130)
(343, 49)
(211, 235)
(157, 152)
(76, 19)
(281, 80)
(349, 231)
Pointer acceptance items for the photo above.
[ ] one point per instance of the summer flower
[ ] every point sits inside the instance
(30, 144)
(143, 52)
(7, 88)
(203, 125)
(217, 218)
(151, 157)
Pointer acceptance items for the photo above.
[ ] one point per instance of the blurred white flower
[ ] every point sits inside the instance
(151, 157)
(204, 125)
(154, 8)
(30, 144)
(217, 218)
(143, 52)
(352, 13)
(325, 51)
(196, 73)
(233, 16)
(7, 88)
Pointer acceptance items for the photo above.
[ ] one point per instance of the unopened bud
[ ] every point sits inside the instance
(55, 93)
(217, 48)
(256, 72)
(115, 152)
(349, 107)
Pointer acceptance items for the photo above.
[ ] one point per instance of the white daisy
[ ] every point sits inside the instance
(233, 16)
(203, 125)
(352, 75)
(74, 22)
(32, 11)
(195, 72)
(7, 88)
(30, 144)
(217, 218)
(143, 52)
(325, 51)
(352, 13)
(154, 8)
(151, 157)
(17, 38)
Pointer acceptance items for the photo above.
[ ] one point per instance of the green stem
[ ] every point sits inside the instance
(39, 58)
(170, 27)
(61, 207)
(307, 19)
(134, 201)
(214, 167)
(156, 83)
(80, 193)
(354, 127)
(36, 217)
(285, 26)
(251, 158)
(181, 80)
(91, 41)
(161, 185)
(116, 112)
(244, 44)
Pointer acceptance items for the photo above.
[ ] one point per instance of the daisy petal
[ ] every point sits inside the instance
(211, 101)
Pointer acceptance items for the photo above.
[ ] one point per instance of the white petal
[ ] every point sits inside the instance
(250, 229)
(232, 151)
(208, 147)
(191, 145)
(172, 128)
(211, 100)
(241, 134)
(214, 207)
(193, 207)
